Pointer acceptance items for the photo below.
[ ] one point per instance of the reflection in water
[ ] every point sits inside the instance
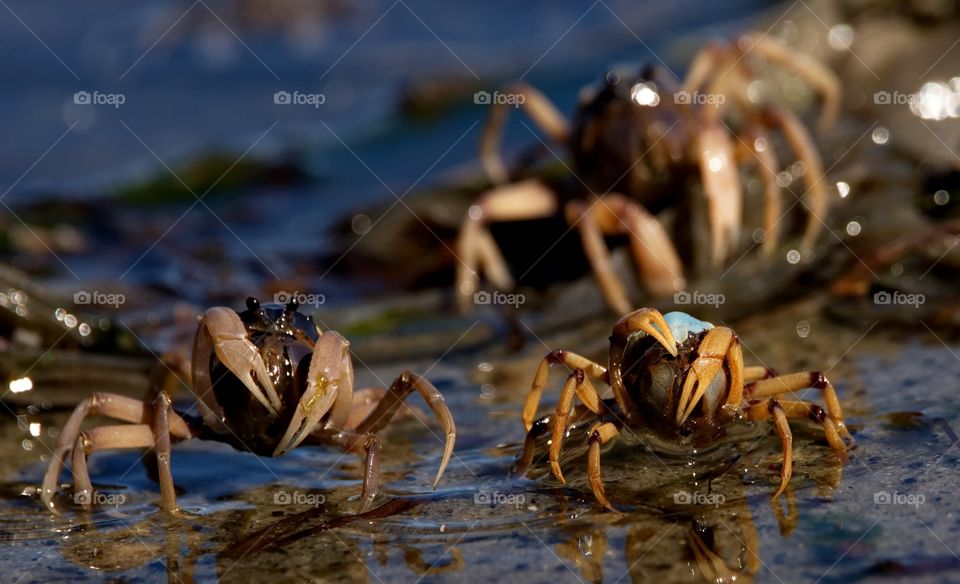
(331, 551)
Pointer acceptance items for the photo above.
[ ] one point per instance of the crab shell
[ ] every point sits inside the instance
(654, 379)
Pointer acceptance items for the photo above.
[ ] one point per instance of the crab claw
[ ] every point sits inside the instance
(713, 347)
(330, 372)
(240, 356)
(645, 320)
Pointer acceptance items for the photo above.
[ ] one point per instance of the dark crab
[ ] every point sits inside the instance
(266, 380)
(682, 379)
(635, 142)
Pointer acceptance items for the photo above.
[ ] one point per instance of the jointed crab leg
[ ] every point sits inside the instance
(777, 385)
(540, 109)
(771, 408)
(780, 411)
(115, 406)
(573, 361)
(577, 383)
(477, 249)
(767, 167)
(802, 144)
(722, 189)
(600, 434)
(815, 73)
(405, 383)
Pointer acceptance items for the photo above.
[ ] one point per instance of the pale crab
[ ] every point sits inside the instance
(266, 380)
(637, 143)
(683, 380)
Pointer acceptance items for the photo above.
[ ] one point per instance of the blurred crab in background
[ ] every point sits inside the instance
(636, 143)
(681, 379)
(266, 380)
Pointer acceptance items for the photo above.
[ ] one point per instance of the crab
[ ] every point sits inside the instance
(266, 380)
(682, 379)
(636, 142)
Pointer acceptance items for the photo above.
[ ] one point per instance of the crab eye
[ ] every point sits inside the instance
(253, 304)
(292, 305)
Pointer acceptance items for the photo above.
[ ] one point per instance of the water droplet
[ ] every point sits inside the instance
(793, 256)
(941, 197)
(843, 188)
(840, 37)
(853, 228)
(475, 212)
(360, 224)
(880, 135)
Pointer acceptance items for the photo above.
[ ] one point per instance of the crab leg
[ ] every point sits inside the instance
(541, 110)
(776, 385)
(330, 372)
(767, 164)
(222, 330)
(600, 434)
(476, 248)
(712, 567)
(780, 411)
(815, 73)
(771, 408)
(721, 188)
(658, 263)
(541, 427)
(598, 255)
(571, 360)
(802, 144)
(405, 383)
(115, 406)
(577, 384)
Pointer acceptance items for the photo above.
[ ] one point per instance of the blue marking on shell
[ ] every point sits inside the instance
(682, 324)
